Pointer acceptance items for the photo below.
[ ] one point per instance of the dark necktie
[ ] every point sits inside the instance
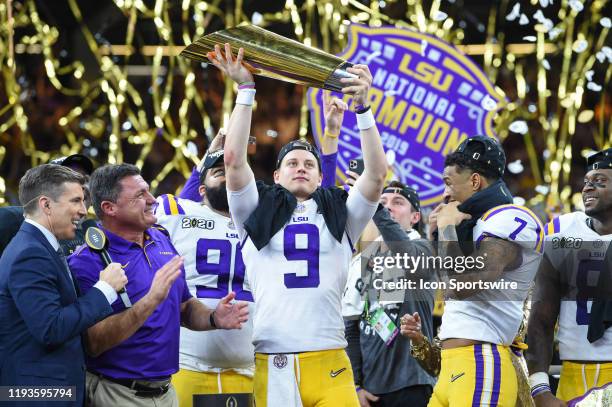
(62, 256)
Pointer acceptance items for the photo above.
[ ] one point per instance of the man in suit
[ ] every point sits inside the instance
(41, 315)
(11, 217)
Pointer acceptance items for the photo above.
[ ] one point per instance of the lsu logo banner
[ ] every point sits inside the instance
(426, 97)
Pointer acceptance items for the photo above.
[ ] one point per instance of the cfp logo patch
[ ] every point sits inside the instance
(197, 223)
(231, 402)
(280, 361)
(566, 243)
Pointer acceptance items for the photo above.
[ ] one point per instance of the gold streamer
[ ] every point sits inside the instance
(113, 98)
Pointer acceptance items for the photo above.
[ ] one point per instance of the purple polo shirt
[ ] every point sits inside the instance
(152, 352)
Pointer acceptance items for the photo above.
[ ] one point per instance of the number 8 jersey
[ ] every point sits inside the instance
(297, 279)
(213, 265)
(577, 253)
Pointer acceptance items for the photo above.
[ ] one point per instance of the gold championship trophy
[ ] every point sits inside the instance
(274, 56)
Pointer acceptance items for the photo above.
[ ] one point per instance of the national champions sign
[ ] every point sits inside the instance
(426, 97)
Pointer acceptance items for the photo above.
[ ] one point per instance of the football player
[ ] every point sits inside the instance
(218, 361)
(576, 260)
(479, 324)
(297, 248)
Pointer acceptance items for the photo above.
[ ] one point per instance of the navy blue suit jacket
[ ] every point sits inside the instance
(41, 318)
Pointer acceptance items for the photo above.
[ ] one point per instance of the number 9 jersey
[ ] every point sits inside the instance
(214, 267)
(577, 254)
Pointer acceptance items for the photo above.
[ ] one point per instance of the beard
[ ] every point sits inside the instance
(217, 198)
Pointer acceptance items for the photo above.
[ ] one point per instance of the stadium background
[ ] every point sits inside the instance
(103, 78)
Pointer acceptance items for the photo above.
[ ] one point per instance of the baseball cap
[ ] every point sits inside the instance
(485, 150)
(297, 145)
(409, 193)
(211, 160)
(600, 160)
(75, 160)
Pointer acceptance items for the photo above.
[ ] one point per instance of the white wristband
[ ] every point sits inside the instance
(538, 378)
(245, 97)
(365, 120)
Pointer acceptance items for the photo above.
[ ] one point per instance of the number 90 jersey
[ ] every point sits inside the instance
(577, 253)
(213, 265)
(495, 315)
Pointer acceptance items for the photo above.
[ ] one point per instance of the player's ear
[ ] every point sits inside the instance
(202, 191)
(276, 176)
(415, 217)
(476, 181)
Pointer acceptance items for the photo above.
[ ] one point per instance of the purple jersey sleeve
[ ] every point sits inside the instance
(190, 189)
(328, 169)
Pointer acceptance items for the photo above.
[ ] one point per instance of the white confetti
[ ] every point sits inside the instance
(518, 126)
(576, 5)
(539, 16)
(589, 75)
(593, 86)
(440, 16)
(192, 148)
(606, 22)
(256, 18)
(545, 3)
(542, 189)
(515, 167)
(548, 24)
(608, 53)
(524, 20)
(546, 64)
(554, 33)
(517, 200)
(530, 38)
(516, 11)
(600, 57)
(580, 46)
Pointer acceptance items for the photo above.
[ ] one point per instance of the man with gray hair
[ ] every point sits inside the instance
(42, 313)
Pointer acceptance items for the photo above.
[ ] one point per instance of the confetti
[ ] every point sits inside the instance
(440, 16)
(524, 20)
(576, 5)
(515, 13)
(580, 46)
(516, 167)
(519, 127)
(593, 86)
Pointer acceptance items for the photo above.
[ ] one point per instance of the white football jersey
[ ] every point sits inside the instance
(213, 265)
(495, 315)
(297, 279)
(577, 251)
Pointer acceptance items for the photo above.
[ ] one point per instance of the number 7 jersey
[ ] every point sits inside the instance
(214, 267)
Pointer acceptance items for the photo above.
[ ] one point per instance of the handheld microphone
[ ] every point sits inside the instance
(96, 240)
